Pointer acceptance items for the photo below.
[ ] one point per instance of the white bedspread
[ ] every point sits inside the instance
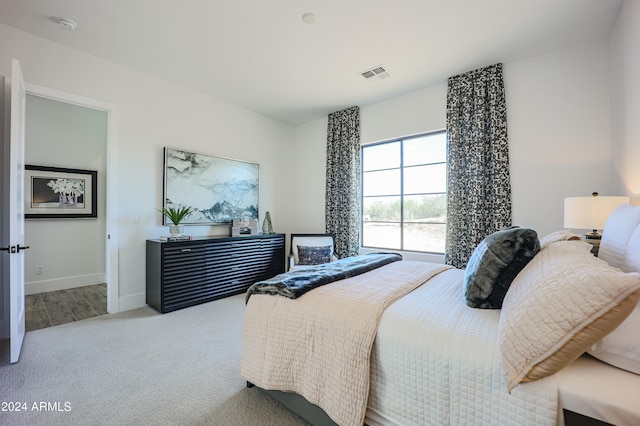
(436, 361)
(319, 345)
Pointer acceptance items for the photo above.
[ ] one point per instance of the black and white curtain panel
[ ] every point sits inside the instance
(479, 187)
(342, 208)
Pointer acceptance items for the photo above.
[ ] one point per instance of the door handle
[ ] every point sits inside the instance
(14, 249)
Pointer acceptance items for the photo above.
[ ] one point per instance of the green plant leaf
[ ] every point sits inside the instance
(176, 214)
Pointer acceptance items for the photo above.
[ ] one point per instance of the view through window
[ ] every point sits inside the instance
(404, 193)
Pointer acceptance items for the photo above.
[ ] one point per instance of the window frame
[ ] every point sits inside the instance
(402, 221)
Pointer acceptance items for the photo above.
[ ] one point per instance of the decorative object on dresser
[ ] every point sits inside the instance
(267, 226)
(60, 193)
(218, 189)
(176, 215)
(240, 227)
(590, 213)
(187, 273)
(176, 238)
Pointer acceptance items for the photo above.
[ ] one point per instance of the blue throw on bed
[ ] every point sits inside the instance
(295, 283)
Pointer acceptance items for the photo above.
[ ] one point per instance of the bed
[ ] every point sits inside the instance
(400, 344)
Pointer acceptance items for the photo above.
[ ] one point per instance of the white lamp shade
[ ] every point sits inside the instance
(589, 212)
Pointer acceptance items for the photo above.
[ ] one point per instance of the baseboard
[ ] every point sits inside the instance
(64, 283)
(132, 301)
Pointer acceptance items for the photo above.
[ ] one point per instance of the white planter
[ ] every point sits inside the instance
(175, 230)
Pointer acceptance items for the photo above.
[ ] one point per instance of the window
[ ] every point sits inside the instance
(404, 193)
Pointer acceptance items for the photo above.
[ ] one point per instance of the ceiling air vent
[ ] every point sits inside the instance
(376, 71)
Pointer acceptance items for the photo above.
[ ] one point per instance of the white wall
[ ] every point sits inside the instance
(557, 107)
(559, 132)
(308, 177)
(417, 112)
(70, 251)
(154, 114)
(625, 94)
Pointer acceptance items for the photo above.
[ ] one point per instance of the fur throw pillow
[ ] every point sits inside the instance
(495, 263)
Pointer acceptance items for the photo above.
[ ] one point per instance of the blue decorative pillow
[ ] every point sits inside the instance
(495, 263)
(314, 255)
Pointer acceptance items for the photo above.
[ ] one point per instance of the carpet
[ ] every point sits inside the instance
(138, 367)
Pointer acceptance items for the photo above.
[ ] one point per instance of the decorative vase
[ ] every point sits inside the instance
(267, 227)
(175, 230)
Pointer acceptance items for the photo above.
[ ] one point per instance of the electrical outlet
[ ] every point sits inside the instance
(39, 269)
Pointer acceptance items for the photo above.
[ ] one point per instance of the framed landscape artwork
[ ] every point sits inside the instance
(60, 193)
(217, 189)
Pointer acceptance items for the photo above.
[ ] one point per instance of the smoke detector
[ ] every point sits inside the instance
(67, 24)
(378, 71)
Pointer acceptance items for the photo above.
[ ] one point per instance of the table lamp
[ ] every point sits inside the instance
(590, 213)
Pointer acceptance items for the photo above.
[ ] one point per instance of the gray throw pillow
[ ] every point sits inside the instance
(495, 263)
(308, 255)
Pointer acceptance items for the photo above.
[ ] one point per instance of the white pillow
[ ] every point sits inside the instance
(562, 303)
(631, 261)
(621, 347)
(562, 235)
(615, 237)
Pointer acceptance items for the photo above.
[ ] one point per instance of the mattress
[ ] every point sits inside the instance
(436, 361)
(595, 389)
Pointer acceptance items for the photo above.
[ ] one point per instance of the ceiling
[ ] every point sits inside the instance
(262, 56)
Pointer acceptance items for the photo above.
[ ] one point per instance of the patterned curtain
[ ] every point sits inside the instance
(479, 188)
(342, 208)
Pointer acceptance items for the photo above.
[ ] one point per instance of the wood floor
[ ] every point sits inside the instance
(58, 307)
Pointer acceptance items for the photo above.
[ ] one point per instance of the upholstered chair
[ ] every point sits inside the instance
(311, 249)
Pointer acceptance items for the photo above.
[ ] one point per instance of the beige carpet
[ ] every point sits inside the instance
(138, 368)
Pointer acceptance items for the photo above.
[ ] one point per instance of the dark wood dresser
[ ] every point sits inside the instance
(187, 273)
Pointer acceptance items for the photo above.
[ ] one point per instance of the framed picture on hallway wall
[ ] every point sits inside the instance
(60, 193)
(217, 189)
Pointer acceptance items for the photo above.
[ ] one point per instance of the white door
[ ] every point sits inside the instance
(16, 211)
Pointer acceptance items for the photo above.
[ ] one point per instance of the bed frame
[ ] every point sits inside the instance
(299, 405)
(317, 416)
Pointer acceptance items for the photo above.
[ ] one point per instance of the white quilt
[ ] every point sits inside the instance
(319, 345)
(436, 361)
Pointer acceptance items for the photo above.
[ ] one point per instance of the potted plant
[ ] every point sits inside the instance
(175, 216)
